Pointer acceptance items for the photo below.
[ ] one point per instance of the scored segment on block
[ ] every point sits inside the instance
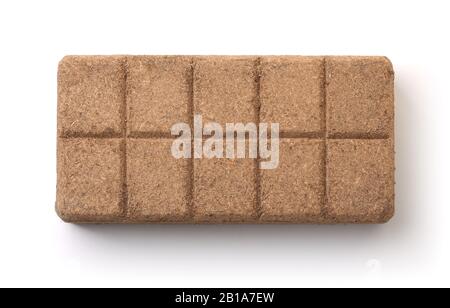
(336, 147)
(225, 91)
(292, 95)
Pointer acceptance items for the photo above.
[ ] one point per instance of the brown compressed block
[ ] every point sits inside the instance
(292, 91)
(295, 191)
(361, 180)
(158, 93)
(90, 186)
(157, 183)
(225, 89)
(336, 161)
(360, 96)
(91, 93)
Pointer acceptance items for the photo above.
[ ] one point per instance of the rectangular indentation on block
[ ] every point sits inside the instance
(224, 189)
(361, 180)
(292, 93)
(225, 89)
(91, 92)
(360, 95)
(294, 192)
(158, 183)
(159, 90)
(90, 184)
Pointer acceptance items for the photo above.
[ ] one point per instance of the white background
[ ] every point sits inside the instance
(37, 249)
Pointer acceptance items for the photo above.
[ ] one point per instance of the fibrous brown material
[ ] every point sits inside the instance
(158, 93)
(292, 93)
(298, 181)
(91, 91)
(157, 183)
(336, 147)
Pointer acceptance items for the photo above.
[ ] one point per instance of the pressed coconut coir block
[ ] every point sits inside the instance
(122, 118)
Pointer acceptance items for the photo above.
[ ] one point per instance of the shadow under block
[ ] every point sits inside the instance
(336, 142)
